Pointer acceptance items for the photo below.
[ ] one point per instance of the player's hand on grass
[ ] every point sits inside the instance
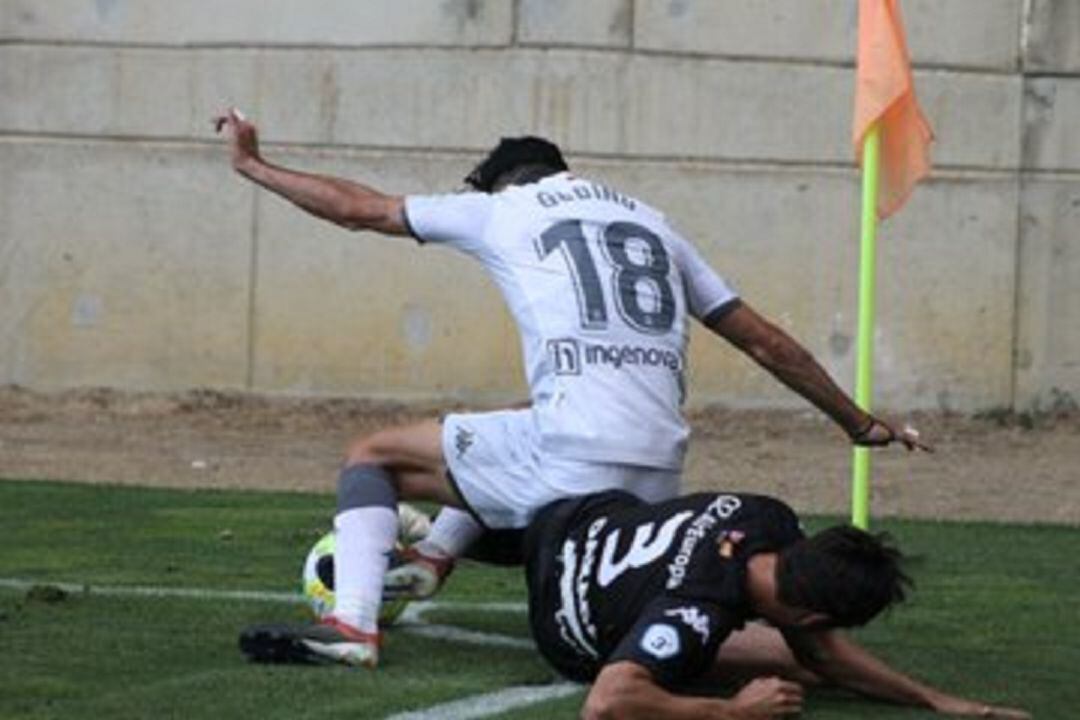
(878, 433)
(993, 712)
(968, 708)
(241, 135)
(767, 698)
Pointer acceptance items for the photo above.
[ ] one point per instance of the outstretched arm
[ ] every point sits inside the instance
(793, 365)
(837, 659)
(345, 203)
(626, 690)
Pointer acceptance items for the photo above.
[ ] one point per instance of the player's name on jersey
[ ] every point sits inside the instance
(584, 191)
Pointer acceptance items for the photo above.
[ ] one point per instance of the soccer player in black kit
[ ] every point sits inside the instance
(643, 599)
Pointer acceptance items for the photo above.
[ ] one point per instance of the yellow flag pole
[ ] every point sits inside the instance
(864, 370)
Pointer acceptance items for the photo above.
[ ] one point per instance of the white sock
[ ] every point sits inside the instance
(365, 537)
(451, 533)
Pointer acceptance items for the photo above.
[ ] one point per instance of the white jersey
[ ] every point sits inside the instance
(600, 287)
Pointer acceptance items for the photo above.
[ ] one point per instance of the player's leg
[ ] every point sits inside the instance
(413, 458)
(397, 463)
(412, 455)
(493, 455)
(404, 462)
(451, 533)
(418, 571)
(490, 462)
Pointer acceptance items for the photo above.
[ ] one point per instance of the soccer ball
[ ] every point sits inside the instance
(317, 574)
(318, 582)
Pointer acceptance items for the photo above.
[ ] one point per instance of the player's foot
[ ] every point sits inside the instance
(414, 575)
(328, 640)
(413, 525)
(335, 640)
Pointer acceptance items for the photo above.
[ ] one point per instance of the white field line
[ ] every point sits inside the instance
(494, 703)
(413, 613)
(158, 592)
(411, 621)
(469, 637)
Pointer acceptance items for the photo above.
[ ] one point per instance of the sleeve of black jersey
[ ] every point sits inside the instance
(675, 639)
(780, 524)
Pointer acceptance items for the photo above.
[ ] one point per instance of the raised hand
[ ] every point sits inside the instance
(241, 135)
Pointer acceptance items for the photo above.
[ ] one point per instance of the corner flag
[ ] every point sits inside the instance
(885, 95)
(892, 139)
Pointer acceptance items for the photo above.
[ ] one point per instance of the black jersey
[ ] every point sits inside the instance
(614, 578)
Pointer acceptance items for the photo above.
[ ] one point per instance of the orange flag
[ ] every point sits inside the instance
(885, 93)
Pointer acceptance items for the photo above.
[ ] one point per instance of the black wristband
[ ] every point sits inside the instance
(862, 433)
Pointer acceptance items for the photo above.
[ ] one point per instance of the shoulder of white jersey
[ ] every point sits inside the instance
(468, 200)
(446, 217)
(451, 196)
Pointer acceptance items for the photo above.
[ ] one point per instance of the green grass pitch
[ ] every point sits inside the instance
(995, 615)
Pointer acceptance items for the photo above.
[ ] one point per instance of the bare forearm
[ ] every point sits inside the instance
(343, 202)
(855, 669)
(796, 368)
(626, 691)
(790, 363)
(661, 706)
(846, 664)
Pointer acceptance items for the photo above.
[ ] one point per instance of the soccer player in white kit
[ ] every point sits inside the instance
(601, 288)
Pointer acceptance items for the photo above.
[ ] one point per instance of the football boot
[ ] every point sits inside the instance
(329, 640)
(415, 575)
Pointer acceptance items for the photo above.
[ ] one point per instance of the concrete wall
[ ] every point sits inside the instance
(131, 256)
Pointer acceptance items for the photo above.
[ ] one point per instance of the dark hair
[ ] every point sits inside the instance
(843, 572)
(516, 161)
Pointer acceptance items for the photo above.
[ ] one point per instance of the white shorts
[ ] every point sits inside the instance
(503, 478)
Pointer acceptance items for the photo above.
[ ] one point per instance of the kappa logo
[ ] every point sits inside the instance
(661, 641)
(463, 440)
(693, 618)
